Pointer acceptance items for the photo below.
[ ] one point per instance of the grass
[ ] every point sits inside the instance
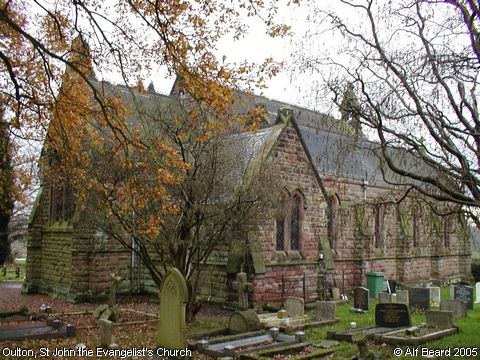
(11, 277)
(467, 337)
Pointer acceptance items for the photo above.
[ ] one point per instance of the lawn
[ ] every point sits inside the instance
(469, 335)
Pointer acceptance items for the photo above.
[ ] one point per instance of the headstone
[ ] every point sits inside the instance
(458, 307)
(386, 287)
(335, 293)
(402, 297)
(173, 300)
(282, 314)
(106, 333)
(384, 298)
(112, 297)
(360, 298)
(434, 296)
(392, 315)
(243, 321)
(477, 291)
(242, 287)
(419, 298)
(442, 319)
(464, 293)
(295, 306)
(325, 310)
(4, 271)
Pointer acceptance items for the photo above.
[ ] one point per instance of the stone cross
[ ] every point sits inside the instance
(173, 301)
(243, 287)
(113, 290)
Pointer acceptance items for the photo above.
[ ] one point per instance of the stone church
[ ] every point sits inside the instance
(343, 218)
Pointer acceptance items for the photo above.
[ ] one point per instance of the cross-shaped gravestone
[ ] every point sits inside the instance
(113, 290)
(242, 287)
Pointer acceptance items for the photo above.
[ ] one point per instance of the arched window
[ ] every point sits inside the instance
(295, 223)
(379, 225)
(415, 229)
(446, 231)
(288, 222)
(331, 221)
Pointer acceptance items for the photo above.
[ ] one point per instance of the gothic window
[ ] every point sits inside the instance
(446, 231)
(295, 223)
(288, 222)
(379, 225)
(331, 221)
(415, 229)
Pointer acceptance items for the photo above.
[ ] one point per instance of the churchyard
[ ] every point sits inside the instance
(296, 332)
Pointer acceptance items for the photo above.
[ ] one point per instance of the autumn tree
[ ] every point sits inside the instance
(414, 67)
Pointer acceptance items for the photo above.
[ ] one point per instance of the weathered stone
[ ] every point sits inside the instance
(243, 321)
(434, 296)
(242, 287)
(282, 314)
(106, 333)
(419, 298)
(325, 310)
(360, 298)
(295, 306)
(384, 298)
(336, 293)
(442, 319)
(173, 299)
(458, 307)
(477, 291)
(402, 297)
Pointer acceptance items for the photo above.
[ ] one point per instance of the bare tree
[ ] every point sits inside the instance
(414, 66)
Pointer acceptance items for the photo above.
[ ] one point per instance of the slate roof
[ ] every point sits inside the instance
(330, 142)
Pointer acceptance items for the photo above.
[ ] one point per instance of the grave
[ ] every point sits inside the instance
(107, 339)
(402, 297)
(37, 331)
(385, 298)
(442, 319)
(388, 318)
(464, 293)
(360, 298)
(173, 300)
(242, 287)
(458, 307)
(477, 292)
(325, 310)
(419, 298)
(434, 296)
(295, 306)
(235, 346)
(243, 321)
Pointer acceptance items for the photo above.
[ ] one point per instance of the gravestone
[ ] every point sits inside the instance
(442, 319)
(295, 306)
(336, 293)
(173, 300)
(325, 310)
(243, 321)
(458, 307)
(384, 298)
(392, 315)
(402, 297)
(434, 296)
(112, 297)
(242, 287)
(477, 291)
(360, 298)
(419, 298)
(464, 293)
(107, 339)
